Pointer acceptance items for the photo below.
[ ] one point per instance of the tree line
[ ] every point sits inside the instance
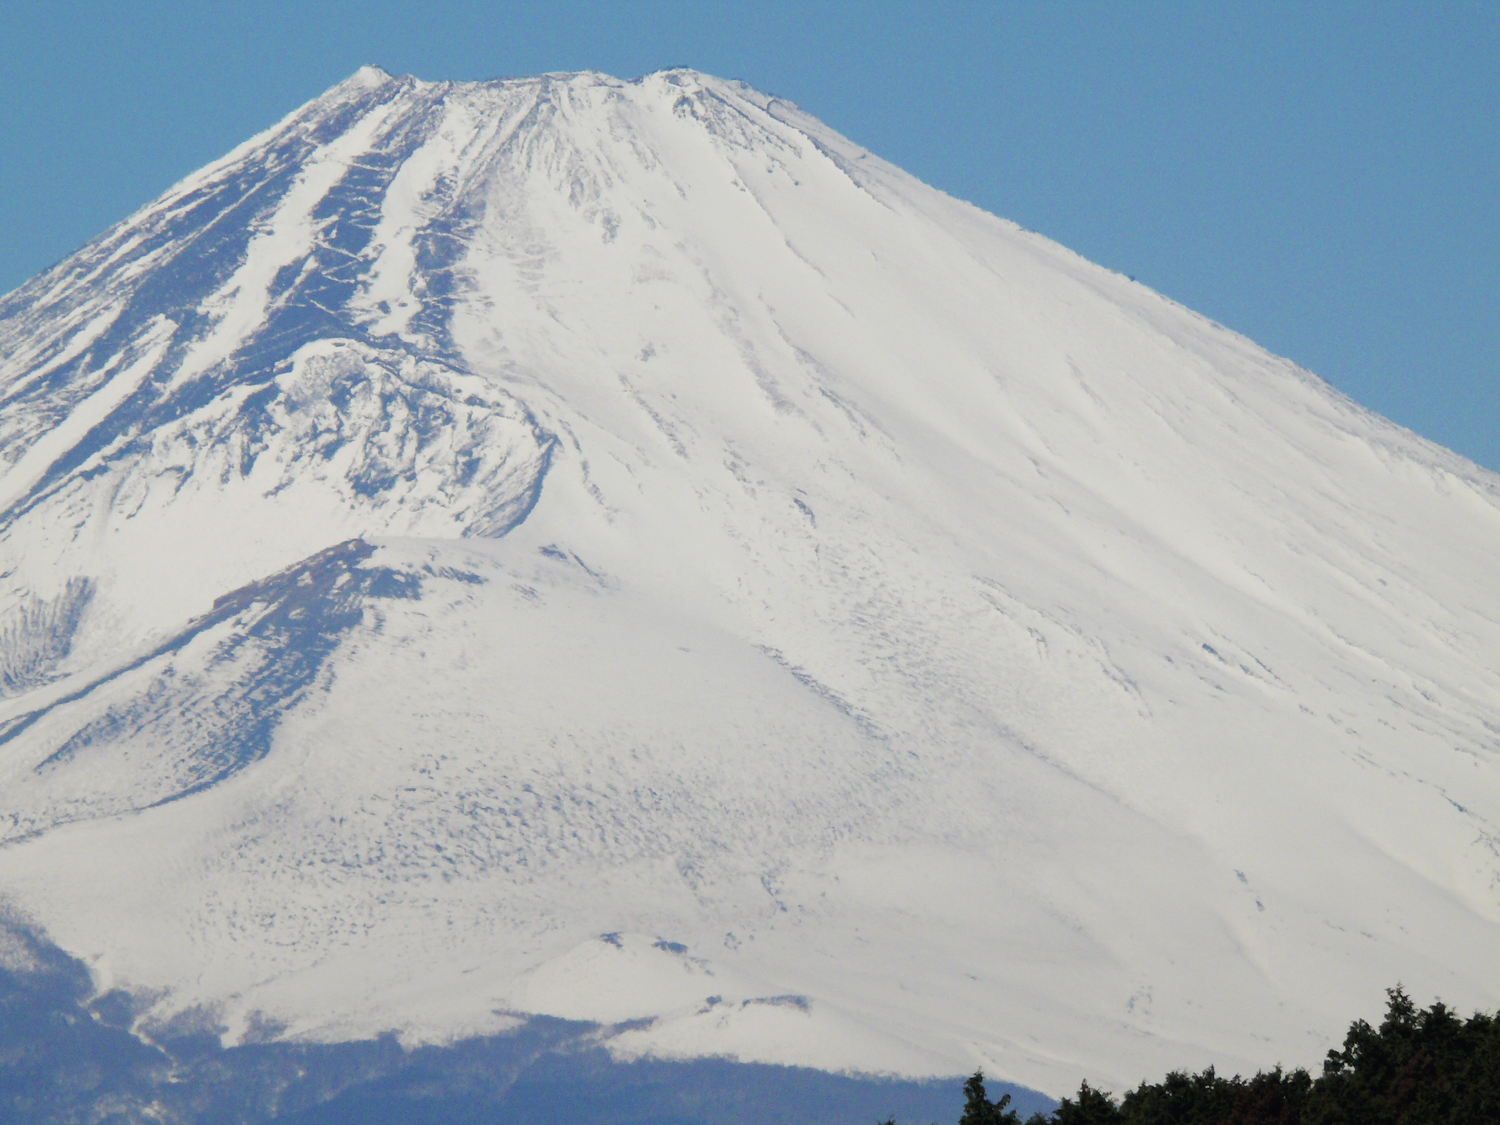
(1419, 1067)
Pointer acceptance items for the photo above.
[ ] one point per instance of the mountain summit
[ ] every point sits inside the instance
(620, 551)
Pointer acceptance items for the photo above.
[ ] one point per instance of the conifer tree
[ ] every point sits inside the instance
(1093, 1107)
(979, 1110)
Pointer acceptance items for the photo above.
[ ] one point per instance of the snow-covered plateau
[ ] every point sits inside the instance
(620, 551)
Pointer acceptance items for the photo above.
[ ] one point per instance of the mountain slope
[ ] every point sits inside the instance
(472, 519)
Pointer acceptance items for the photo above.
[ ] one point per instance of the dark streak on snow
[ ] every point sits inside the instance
(277, 635)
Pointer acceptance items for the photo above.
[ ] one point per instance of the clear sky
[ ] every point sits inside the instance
(1324, 178)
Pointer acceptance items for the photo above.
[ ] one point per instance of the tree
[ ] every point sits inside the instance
(1093, 1107)
(979, 1110)
(1419, 1067)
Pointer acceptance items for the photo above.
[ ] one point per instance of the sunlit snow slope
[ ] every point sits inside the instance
(620, 551)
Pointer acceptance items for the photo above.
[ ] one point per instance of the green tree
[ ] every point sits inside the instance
(979, 1110)
(1093, 1107)
(1419, 1067)
(1181, 1099)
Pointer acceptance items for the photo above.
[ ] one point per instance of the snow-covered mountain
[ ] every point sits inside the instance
(618, 550)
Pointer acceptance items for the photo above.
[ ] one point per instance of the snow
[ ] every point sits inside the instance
(940, 650)
(240, 305)
(40, 456)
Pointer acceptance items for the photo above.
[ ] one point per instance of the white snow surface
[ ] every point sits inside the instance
(791, 612)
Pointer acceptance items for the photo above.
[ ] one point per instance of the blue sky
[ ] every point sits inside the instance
(1323, 178)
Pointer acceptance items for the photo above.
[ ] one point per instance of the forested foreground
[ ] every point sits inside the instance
(1419, 1067)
